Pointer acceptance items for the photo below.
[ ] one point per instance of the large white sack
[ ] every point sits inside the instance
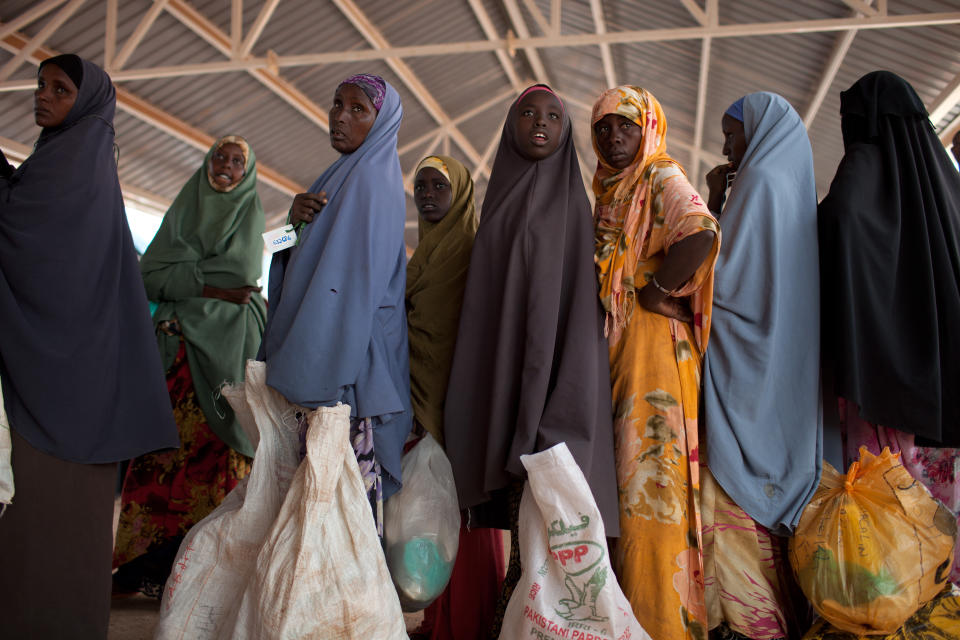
(567, 588)
(219, 554)
(321, 572)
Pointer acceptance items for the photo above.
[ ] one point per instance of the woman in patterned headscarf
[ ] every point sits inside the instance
(656, 244)
(202, 270)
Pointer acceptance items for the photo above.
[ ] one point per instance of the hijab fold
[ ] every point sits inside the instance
(531, 367)
(337, 330)
(761, 374)
(436, 275)
(890, 231)
(82, 379)
(210, 237)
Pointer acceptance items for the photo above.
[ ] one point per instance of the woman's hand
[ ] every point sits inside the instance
(306, 205)
(240, 295)
(717, 185)
(652, 299)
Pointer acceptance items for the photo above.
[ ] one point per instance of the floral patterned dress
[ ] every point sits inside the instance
(655, 365)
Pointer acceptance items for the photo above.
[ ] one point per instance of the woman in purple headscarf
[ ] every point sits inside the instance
(337, 328)
(82, 380)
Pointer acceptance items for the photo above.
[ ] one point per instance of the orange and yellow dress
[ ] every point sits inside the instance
(655, 365)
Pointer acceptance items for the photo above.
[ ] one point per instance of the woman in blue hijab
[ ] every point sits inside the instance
(336, 328)
(761, 373)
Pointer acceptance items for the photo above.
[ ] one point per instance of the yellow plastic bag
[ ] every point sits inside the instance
(872, 547)
(939, 619)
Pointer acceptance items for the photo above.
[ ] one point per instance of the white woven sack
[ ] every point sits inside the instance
(321, 572)
(567, 588)
(219, 554)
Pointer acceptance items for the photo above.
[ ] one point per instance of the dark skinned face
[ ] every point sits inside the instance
(227, 165)
(734, 140)
(351, 118)
(539, 124)
(432, 194)
(54, 97)
(618, 139)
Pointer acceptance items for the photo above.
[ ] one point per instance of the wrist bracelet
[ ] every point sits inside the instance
(659, 287)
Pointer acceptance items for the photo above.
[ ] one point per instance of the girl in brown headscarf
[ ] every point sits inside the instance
(436, 275)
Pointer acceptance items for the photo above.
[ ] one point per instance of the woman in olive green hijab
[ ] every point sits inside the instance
(202, 270)
(436, 275)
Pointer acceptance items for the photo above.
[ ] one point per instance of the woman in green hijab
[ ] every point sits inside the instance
(201, 270)
(436, 275)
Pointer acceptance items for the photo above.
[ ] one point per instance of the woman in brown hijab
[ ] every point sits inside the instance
(530, 369)
(436, 275)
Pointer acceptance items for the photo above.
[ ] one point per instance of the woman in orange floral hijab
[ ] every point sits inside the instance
(656, 245)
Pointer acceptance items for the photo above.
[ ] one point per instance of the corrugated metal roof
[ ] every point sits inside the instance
(294, 146)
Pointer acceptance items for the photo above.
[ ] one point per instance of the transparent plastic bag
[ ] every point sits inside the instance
(422, 526)
(873, 546)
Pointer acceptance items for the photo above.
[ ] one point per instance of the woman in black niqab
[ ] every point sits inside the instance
(890, 265)
(82, 380)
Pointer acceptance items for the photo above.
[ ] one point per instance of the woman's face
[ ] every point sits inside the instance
(54, 97)
(351, 118)
(432, 194)
(227, 165)
(734, 140)
(539, 124)
(618, 139)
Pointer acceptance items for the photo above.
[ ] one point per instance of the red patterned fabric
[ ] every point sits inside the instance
(166, 493)
(465, 610)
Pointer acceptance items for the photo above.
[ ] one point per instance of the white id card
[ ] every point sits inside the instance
(280, 238)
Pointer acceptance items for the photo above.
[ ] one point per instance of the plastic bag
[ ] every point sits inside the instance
(422, 526)
(938, 619)
(567, 588)
(872, 547)
(321, 571)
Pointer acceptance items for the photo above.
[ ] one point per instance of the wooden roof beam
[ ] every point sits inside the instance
(157, 117)
(945, 101)
(266, 12)
(116, 63)
(840, 49)
(40, 39)
(199, 24)
(29, 16)
(486, 24)
(713, 17)
(520, 26)
(600, 24)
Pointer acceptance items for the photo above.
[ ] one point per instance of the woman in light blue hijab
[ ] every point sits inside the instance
(761, 374)
(337, 329)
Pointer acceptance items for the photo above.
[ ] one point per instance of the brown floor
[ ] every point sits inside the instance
(135, 618)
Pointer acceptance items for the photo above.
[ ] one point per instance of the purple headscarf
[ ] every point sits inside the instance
(372, 85)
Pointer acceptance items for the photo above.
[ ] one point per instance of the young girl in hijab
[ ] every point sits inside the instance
(436, 274)
(530, 364)
(761, 375)
(656, 244)
(82, 380)
(202, 269)
(337, 331)
(890, 238)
